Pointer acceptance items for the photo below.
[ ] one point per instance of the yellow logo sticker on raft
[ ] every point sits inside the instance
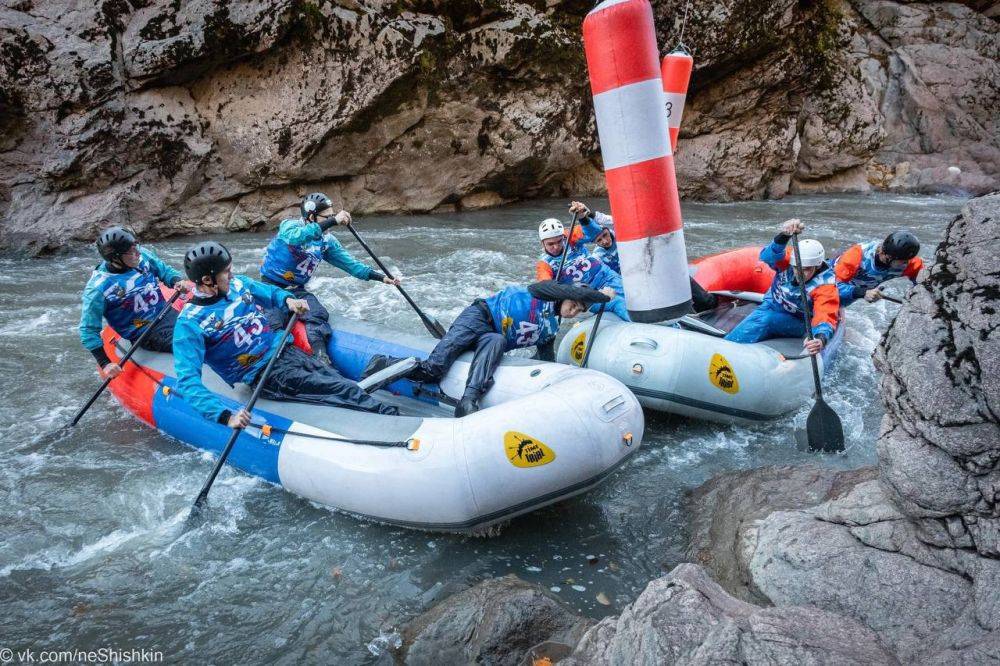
(721, 374)
(579, 347)
(506, 324)
(526, 451)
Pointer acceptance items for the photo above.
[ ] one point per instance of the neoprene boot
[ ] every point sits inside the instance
(468, 405)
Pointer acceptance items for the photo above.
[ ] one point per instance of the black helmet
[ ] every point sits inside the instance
(206, 259)
(550, 290)
(901, 245)
(114, 242)
(314, 203)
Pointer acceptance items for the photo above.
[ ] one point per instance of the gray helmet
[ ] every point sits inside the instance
(313, 204)
(114, 242)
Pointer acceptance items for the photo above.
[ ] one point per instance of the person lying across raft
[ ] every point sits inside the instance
(780, 315)
(225, 326)
(514, 318)
(607, 251)
(293, 255)
(580, 266)
(125, 290)
(861, 268)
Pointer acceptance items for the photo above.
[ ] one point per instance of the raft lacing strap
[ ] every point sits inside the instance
(411, 444)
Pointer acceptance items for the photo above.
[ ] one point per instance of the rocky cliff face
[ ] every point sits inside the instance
(210, 115)
(913, 554)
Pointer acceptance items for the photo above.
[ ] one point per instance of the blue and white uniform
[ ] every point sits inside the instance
(130, 300)
(510, 319)
(584, 268)
(290, 260)
(780, 314)
(232, 335)
(608, 256)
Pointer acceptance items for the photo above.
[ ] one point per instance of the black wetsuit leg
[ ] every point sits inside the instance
(161, 338)
(300, 377)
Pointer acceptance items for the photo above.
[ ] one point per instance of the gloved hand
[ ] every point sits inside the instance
(580, 209)
(792, 226)
(297, 305)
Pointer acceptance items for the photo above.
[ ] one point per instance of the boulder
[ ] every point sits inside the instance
(495, 622)
(687, 618)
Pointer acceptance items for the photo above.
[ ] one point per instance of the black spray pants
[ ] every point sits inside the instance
(316, 321)
(161, 338)
(299, 377)
(473, 329)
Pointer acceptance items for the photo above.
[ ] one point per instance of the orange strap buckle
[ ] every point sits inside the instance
(413, 444)
(265, 430)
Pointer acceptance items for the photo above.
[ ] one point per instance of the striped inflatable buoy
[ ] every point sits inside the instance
(625, 79)
(676, 71)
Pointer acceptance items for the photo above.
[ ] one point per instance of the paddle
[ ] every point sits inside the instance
(823, 429)
(126, 357)
(203, 495)
(569, 239)
(593, 336)
(432, 325)
(891, 299)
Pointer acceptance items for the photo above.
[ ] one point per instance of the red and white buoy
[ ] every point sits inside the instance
(676, 71)
(624, 64)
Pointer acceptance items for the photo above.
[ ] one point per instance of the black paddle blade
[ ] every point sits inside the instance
(434, 327)
(823, 429)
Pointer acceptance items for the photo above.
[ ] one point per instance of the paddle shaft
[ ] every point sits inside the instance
(808, 314)
(432, 325)
(203, 495)
(891, 299)
(569, 239)
(593, 336)
(126, 357)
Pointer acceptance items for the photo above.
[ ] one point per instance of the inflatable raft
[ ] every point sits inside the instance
(689, 369)
(546, 432)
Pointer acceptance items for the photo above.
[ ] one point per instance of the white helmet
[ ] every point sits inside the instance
(550, 228)
(811, 252)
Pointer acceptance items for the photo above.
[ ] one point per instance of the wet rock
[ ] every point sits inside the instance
(913, 554)
(687, 618)
(495, 622)
(728, 508)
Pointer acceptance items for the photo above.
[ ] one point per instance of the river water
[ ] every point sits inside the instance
(93, 554)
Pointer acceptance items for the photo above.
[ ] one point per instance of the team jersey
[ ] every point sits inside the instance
(522, 319)
(231, 334)
(786, 293)
(608, 256)
(129, 301)
(857, 270)
(299, 248)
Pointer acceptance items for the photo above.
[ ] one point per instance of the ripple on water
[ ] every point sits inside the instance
(95, 550)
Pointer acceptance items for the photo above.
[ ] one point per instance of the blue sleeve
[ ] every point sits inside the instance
(334, 253)
(165, 273)
(846, 291)
(92, 316)
(773, 253)
(591, 229)
(823, 329)
(294, 232)
(189, 356)
(272, 296)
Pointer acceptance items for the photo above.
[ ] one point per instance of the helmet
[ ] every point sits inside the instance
(314, 203)
(550, 228)
(206, 259)
(901, 245)
(811, 253)
(550, 290)
(114, 242)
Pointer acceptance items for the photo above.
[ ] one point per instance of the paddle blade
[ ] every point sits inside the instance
(823, 429)
(434, 327)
